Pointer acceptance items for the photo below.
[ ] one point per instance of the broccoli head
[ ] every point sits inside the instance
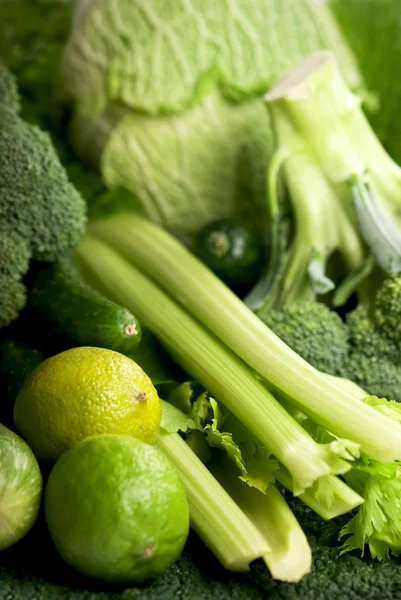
(314, 332)
(367, 339)
(14, 261)
(387, 310)
(375, 342)
(42, 215)
(377, 376)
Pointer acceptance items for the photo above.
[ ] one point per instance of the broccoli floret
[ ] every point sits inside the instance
(42, 215)
(375, 342)
(378, 377)
(366, 338)
(387, 310)
(314, 332)
(14, 261)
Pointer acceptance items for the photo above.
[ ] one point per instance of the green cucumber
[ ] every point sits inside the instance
(234, 252)
(67, 310)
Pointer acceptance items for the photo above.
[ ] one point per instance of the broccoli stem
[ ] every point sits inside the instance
(323, 215)
(164, 259)
(215, 517)
(289, 557)
(314, 100)
(262, 296)
(217, 368)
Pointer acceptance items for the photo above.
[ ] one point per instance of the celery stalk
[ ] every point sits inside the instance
(329, 497)
(217, 368)
(164, 259)
(215, 517)
(290, 556)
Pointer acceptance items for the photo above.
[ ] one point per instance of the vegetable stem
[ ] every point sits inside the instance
(166, 261)
(217, 368)
(329, 497)
(215, 517)
(290, 556)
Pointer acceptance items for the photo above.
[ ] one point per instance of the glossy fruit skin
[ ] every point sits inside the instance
(232, 251)
(82, 392)
(20, 488)
(74, 314)
(116, 509)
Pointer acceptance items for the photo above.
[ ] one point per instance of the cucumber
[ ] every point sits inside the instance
(61, 306)
(234, 252)
(17, 361)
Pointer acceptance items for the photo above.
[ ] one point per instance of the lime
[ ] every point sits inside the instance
(20, 488)
(81, 392)
(116, 509)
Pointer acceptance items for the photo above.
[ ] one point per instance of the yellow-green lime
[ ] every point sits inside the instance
(116, 509)
(20, 488)
(81, 392)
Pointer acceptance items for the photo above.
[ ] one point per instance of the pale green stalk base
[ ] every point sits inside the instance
(222, 373)
(329, 497)
(313, 100)
(164, 259)
(215, 517)
(290, 556)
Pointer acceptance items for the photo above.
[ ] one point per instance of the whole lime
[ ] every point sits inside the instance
(81, 392)
(116, 509)
(20, 488)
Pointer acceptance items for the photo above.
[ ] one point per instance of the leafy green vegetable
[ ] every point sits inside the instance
(221, 142)
(218, 430)
(223, 526)
(201, 410)
(181, 396)
(202, 48)
(174, 112)
(42, 214)
(174, 420)
(220, 371)
(378, 521)
(164, 259)
(287, 552)
(252, 459)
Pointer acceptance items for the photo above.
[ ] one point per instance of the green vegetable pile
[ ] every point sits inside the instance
(212, 190)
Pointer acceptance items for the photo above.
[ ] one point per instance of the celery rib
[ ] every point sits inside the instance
(217, 368)
(334, 498)
(215, 517)
(290, 556)
(165, 260)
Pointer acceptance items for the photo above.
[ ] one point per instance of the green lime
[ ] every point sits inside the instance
(20, 488)
(116, 509)
(81, 392)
